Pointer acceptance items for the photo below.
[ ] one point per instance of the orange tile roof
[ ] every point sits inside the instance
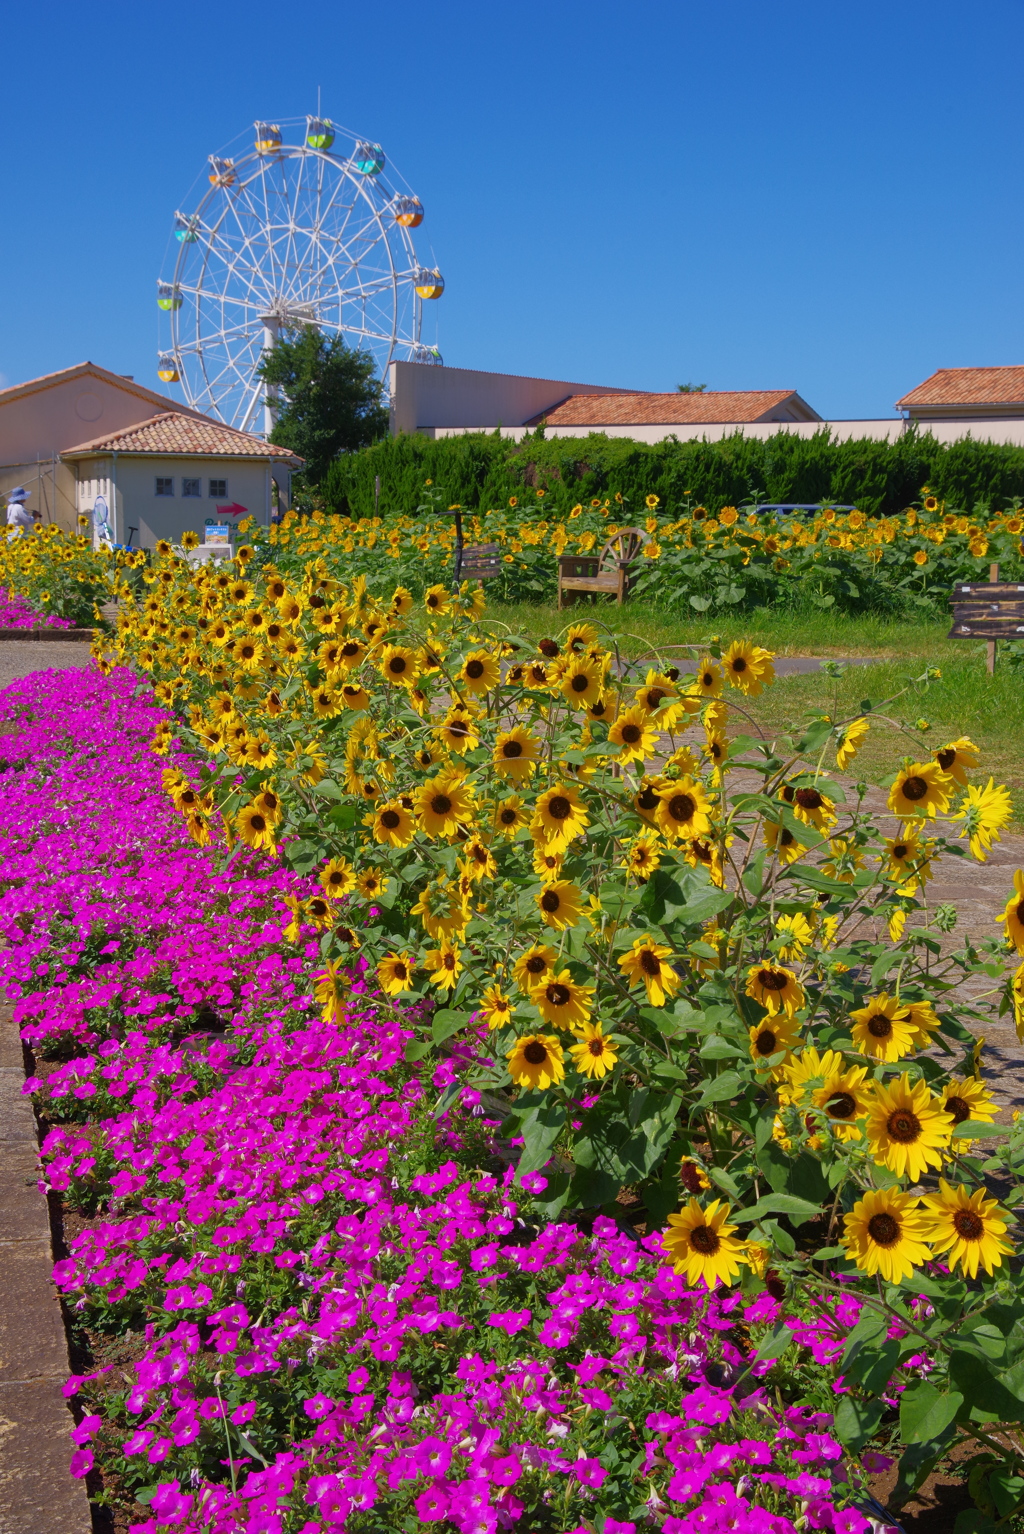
(173, 435)
(725, 405)
(968, 386)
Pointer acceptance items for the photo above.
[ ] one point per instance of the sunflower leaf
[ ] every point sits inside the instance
(798, 1209)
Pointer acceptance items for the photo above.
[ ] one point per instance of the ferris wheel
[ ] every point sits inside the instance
(291, 234)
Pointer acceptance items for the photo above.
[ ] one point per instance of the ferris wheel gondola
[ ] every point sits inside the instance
(290, 233)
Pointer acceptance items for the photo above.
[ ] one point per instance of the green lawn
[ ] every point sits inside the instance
(966, 701)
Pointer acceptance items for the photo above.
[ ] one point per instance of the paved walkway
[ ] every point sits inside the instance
(20, 657)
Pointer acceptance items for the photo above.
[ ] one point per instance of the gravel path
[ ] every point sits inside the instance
(20, 657)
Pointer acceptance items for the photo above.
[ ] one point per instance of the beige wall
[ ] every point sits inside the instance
(50, 485)
(424, 397)
(884, 430)
(139, 506)
(51, 419)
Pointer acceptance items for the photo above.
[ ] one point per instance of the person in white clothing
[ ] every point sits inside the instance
(19, 518)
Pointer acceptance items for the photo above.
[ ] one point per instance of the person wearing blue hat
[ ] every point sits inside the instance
(19, 518)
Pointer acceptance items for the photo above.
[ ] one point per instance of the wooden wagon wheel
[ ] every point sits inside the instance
(621, 549)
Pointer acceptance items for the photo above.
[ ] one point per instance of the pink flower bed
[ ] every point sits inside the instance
(343, 1311)
(16, 612)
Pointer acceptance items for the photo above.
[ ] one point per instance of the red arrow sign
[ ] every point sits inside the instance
(234, 510)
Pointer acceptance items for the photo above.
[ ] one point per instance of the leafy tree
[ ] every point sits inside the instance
(331, 398)
(689, 388)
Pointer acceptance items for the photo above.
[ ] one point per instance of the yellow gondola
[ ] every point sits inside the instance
(222, 172)
(167, 370)
(429, 282)
(408, 211)
(268, 138)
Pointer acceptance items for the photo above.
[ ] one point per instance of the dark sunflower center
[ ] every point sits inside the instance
(968, 1225)
(631, 733)
(772, 979)
(458, 727)
(903, 1126)
(440, 804)
(390, 819)
(767, 1043)
(258, 823)
(649, 962)
(879, 1026)
(560, 808)
(318, 907)
(350, 649)
(842, 1105)
(702, 852)
(580, 682)
(535, 1053)
(550, 902)
(1020, 912)
(682, 807)
(884, 1229)
(507, 817)
(704, 1240)
(558, 995)
(958, 1109)
(786, 838)
(809, 799)
(474, 669)
(512, 749)
(708, 680)
(946, 758)
(739, 664)
(536, 964)
(647, 799)
(655, 696)
(915, 788)
(900, 851)
(548, 647)
(397, 664)
(596, 1047)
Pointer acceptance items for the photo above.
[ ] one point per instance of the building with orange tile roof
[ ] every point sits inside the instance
(967, 394)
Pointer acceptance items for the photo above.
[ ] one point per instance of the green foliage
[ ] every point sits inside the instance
(333, 398)
(477, 469)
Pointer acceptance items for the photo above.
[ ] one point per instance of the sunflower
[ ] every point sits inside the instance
(907, 1128)
(269, 802)
(1013, 917)
(783, 842)
(1017, 991)
(510, 814)
(330, 986)
(775, 988)
(582, 682)
(844, 1100)
(771, 1037)
(956, 757)
(966, 1099)
(968, 1227)
(495, 1007)
(426, 757)
(401, 601)
(634, 734)
(436, 599)
(337, 877)
(318, 911)
(398, 664)
(261, 751)
(748, 666)
(533, 967)
(882, 1028)
(198, 827)
(442, 909)
(716, 748)
(255, 829)
(595, 1054)
(850, 743)
(660, 698)
(371, 883)
(920, 789)
(535, 1061)
(309, 762)
(810, 805)
(480, 671)
(349, 655)
(559, 817)
(444, 964)
(693, 1176)
(683, 810)
(984, 812)
(515, 753)
(352, 696)
(391, 823)
(642, 857)
(907, 858)
(458, 730)
(560, 904)
(326, 702)
(443, 804)
(647, 798)
(700, 1245)
(561, 1001)
(885, 1233)
(797, 934)
(708, 681)
(646, 962)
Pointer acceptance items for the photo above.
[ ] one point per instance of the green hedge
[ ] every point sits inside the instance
(482, 471)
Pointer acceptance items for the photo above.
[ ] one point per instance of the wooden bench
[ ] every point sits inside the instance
(604, 574)
(476, 562)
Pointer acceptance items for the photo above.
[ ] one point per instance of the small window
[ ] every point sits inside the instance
(164, 486)
(192, 487)
(218, 489)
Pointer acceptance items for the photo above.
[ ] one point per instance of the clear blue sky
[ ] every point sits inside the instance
(824, 197)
